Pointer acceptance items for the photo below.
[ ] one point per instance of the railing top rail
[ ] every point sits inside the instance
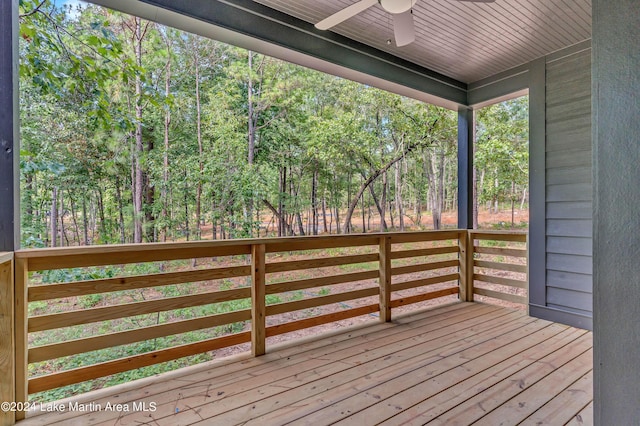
(6, 256)
(66, 257)
(497, 232)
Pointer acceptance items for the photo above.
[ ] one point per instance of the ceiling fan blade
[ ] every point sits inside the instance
(345, 14)
(403, 28)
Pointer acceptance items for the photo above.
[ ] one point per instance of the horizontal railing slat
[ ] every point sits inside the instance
(282, 308)
(400, 270)
(409, 300)
(86, 316)
(73, 347)
(424, 236)
(402, 254)
(73, 257)
(82, 374)
(288, 327)
(501, 251)
(320, 263)
(492, 279)
(500, 266)
(406, 285)
(515, 236)
(83, 288)
(317, 243)
(502, 296)
(321, 281)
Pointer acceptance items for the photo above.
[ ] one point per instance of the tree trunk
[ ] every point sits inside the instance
(85, 225)
(381, 205)
(138, 182)
(149, 197)
(364, 223)
(200, 149)
(398, 198)
(368, 182)
(76, 228)
(165, 153)
(281, 203)
(314, 203)
(120, 210)
(324, 214)
(475, 199)
(513, 203)
(186, 206)
(54, 217)
(276, 213)
(61, 215)
(524, 198)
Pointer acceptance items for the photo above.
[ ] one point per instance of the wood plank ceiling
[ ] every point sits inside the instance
(463, 40)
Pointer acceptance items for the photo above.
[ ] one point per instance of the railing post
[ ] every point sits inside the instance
(21, 337)
(465, 241)
(7, 342)
(385, 278)
(258, 302)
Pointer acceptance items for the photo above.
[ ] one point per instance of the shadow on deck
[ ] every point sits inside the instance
(457, 364)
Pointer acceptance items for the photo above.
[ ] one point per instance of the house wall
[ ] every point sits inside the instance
(560, 182)
(568, 170)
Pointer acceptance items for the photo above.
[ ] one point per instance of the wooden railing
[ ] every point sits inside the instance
(259, 295)
(7, 366)
(499, 260)
(383, 272)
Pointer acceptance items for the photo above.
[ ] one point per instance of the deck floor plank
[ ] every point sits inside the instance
(252, 386)
(238, 403)
(408, 396)
(364, 399)
(572, 399)
(432, 407)
(584, 417)
(457, 364)
(355, 381)
(244, 367)
(501, 393)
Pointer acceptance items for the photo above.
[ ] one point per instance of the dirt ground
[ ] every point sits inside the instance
(449, 219)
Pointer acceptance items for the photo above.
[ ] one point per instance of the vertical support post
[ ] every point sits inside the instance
(616, 289)
(465, 242)
(466, 136)
(7, 339)
(385, 278)
(537, 247)
(258, 302)
(9, 145)
(20, 324)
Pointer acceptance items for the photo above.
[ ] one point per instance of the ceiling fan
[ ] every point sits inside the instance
(401, 10)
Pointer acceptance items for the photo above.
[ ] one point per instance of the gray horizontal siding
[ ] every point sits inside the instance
(570, 210)
(571, 310)
(570, 228)
(569, 189)
(570, 192)
(570, 245)
(570, 263)
(570, 281)
(569, 158)
(568, 175)
(570, 299)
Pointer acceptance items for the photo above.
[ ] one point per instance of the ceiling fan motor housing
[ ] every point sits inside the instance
(397, 6)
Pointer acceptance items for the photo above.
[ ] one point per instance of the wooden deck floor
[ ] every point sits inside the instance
(459, 364)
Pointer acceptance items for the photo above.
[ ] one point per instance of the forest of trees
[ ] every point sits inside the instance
(135, 132)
